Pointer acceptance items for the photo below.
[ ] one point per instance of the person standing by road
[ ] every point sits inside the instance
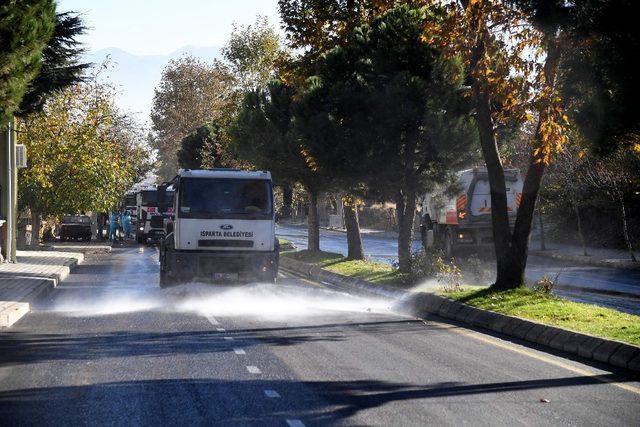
(125, 220)
(113, 226)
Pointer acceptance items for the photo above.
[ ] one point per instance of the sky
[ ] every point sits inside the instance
(159, 27)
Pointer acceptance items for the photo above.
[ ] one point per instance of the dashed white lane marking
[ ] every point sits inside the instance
(295, 423)
(272, 394)
(254, 370)
(228, 338)
(239, 351)
(213, 320)
(220, 329)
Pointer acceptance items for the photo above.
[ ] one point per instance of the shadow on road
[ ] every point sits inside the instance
(198, 401)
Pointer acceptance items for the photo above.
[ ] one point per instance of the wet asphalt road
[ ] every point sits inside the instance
(609, 287)
(109, 348)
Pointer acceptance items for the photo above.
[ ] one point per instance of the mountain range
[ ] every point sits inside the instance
(136, 76)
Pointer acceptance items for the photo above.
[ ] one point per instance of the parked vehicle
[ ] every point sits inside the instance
(223, 227)
(460, 217)
(74, 227)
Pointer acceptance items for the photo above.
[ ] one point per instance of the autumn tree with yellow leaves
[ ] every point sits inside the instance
(83, 154)
(512, 66)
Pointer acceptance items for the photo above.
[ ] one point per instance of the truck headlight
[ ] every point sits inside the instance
(141, 228)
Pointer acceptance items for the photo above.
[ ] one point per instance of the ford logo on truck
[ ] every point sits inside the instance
(226, 227)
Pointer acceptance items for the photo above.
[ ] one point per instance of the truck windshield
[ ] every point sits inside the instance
(149, 198)
(225, 198)
(130, 200)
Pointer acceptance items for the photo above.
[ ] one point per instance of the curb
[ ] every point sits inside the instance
(12, 311)
(421, 304)
(617, 264)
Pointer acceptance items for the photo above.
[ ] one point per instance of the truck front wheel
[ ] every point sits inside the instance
(448, 244)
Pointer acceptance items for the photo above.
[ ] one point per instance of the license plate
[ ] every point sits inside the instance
(225, 276)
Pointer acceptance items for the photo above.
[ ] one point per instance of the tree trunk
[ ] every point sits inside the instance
(35, 228)
(580, 232)
(625, 230)
(354, 240)
(513, 275)
(287, 201)
(406, 209)
(313, 224)
(543, 242)
(498, 189)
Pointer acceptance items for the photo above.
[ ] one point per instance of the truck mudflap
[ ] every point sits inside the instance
(221, 266)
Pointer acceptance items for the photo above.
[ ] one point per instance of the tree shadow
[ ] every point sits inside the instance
(209, 401)
(26, 348)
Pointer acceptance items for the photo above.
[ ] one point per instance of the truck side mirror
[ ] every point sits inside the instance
(162, 198)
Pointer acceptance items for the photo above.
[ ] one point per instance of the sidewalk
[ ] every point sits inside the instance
(35, 274)
(598, 257)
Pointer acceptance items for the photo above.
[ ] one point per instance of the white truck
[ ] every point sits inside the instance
(222, 227)
(460, 218)
(147, 209)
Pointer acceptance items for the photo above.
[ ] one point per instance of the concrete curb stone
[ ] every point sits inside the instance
(587, 347)
(535, 332)
(420, 304)
(511, 326)
(463, 313)
(573, 343)
(634, 364)
(623, 355)
(547, 335)
(524, 328)
(604, 351)
(560, 339)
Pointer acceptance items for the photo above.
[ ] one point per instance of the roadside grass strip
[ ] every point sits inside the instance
(523, 302)
(554, 311)
(375, 272)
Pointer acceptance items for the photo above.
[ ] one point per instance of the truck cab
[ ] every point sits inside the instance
(146, 207)
(222, 227)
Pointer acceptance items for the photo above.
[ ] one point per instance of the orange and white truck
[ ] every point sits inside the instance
(459, 216)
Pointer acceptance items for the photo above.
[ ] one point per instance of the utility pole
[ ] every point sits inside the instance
(8, 191)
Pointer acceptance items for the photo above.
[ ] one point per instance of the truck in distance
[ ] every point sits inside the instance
(222, 227)
(460, 218)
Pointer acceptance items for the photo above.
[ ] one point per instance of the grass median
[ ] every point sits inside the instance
(523, 302)
(375, 272)
(555, 311)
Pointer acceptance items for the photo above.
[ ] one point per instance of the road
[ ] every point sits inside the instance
(108, 347)
(609, 287)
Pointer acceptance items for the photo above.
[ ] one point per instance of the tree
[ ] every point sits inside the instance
(190, 94)
(601, 87)
(251, 54)
(204, 148)
(25, 28)
(317, 26)
(60, 64)
(512, 62)
(616, 175)
(262, 135)
(385, 110)
(83, 154)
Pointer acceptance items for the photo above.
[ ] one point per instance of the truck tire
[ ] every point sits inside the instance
(164, 280)
(448, 244)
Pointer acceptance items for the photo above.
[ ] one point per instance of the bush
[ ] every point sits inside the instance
(546, 284)
(431, 264)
